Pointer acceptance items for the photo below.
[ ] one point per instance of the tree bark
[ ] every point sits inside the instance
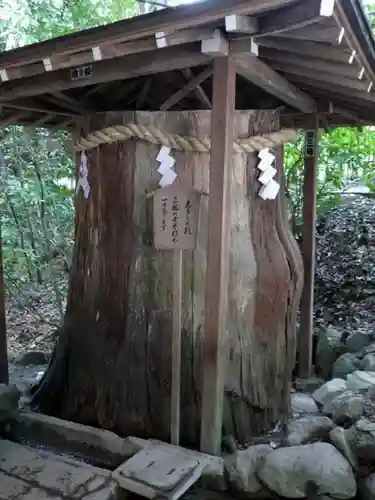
(112, 363)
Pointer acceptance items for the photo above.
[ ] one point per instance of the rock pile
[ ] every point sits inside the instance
(345, 267)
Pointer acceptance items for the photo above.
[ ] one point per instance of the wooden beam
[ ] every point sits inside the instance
(201, 94)
(296, 16)
(277, 58)
(176, 347)
(308, 254)
(334, 89)
(172, 19)
(257, 72)
(36, 108)
(4, 373)
(142, 95)
(314, 33)
(311, 76)
(123, 68)
(184, 91)
(41, 121)
(214, 341)
(324, 51)
(351, 39)
(14, 118)
(63, 103)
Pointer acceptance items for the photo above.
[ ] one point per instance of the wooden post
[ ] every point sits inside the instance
(4, 374)
(308, 254)
(214, 352)
(176, 347)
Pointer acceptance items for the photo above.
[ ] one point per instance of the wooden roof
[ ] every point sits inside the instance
(310, 57)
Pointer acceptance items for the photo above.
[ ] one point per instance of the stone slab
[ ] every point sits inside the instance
(161, 470)
(30, 474)
(98, 446)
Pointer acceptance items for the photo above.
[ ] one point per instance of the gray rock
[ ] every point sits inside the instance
(344, 365)
(360, 380)
(241, 469)
(358, 340)
(290, 472)
(361, 440)
(9, 399)
(337, 436)
(326, 351)
(32, 358)
(368, 363)
(348, 407)
(308, 428)
(367, 488)
(308, 385)
(303, 403)
(327, 392)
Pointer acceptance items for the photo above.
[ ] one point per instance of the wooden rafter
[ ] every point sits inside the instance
(257, 72)
(296, 17)
(312, 75)
(35, 108)
(186, 89)
(324, 88)
(200, 93)
(307, 48)
(279, 59)
(123, 68)
(173, 19)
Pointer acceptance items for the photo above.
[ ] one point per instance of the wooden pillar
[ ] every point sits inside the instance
(214, 343)
(4, 375)
(308, 254)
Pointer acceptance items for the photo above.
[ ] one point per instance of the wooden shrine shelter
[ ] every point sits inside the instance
(313, 61)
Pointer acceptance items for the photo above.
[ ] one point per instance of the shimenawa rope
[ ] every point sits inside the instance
(152, 134)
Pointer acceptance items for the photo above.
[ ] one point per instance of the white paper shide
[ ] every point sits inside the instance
(168, 175)
(83, 176)
(270, 187)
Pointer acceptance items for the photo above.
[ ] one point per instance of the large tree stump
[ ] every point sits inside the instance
(112, 364)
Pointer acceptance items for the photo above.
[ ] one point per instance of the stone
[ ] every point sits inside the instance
(360, 380)
(326, 351)
(32, 358)
(308, 385)
(346, 408)
(291, 472)
(344, 365)
(241, 469)
(32, 474)
(161, 471)
(9, 400)
(337, 436)
(308, 428)
(327, 392)
(98, 445)
(361, 440)
(358, 340)
(303, 403)
(368, 363)
(367, 488)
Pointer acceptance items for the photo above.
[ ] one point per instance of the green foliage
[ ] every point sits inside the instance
(345, 158)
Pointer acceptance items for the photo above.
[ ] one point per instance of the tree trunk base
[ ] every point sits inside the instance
(111, 367)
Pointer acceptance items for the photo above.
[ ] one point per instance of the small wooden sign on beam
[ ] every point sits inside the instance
(310, 143)
(81, 72)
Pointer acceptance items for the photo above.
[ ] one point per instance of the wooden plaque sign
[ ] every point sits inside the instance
(176, 217)
(310, 143)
